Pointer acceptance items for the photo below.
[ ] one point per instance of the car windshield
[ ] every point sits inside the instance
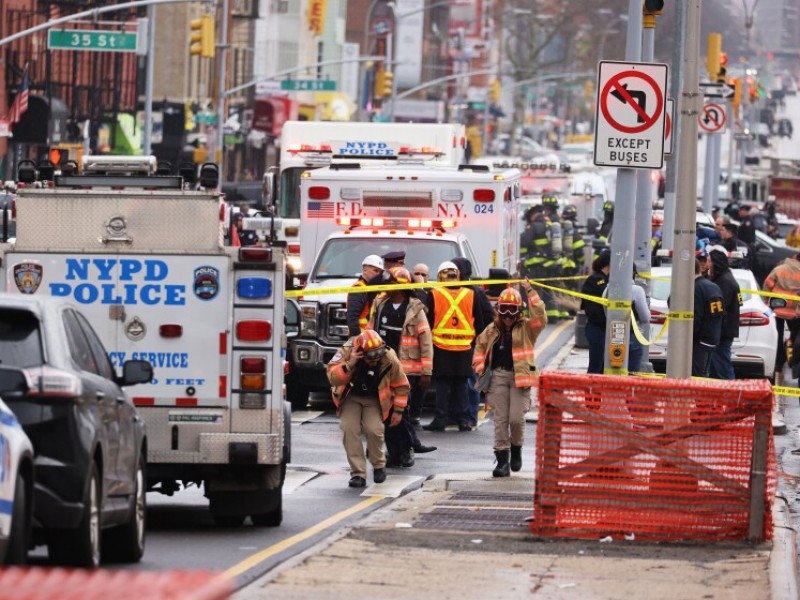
(660, 286)
(20, 344)
(341, 258)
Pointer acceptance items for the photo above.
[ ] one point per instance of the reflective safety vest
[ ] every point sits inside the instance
(453, 321)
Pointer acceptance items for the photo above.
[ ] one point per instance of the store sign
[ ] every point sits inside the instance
(317, 10)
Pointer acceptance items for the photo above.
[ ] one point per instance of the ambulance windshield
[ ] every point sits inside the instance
(341, 258)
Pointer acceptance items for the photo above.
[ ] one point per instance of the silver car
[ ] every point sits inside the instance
(753, 352)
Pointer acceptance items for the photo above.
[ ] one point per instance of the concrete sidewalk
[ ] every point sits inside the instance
(466, 536)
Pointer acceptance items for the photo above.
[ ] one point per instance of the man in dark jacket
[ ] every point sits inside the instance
(709, 312)
(720, 273)
(485, 306)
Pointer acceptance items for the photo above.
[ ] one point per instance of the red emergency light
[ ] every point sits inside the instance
(483, 195)
(319, 192)
(300, 148)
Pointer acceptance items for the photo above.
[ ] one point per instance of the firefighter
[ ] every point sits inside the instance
(359, 304)
(574, 246)
(369, 387)
(553, 264)
(604, 234)
(535, 252)
(399, 318)
(454, 317)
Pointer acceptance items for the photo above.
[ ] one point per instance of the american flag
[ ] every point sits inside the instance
(20, 104)
(320, 210)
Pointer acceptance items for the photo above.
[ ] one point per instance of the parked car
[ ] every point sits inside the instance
(753, 352)
(88, 439)
(16, 489)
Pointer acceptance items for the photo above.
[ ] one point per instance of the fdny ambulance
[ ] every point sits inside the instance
(308, 145)
(141, 254)
(431, 213)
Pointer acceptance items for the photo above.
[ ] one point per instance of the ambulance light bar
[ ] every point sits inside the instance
(396, 223)
(421, 151)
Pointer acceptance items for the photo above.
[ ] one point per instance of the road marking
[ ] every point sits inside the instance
(270, 551)
(553, 336)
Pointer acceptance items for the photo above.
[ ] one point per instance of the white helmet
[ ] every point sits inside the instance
(447, 266)
(373, 260)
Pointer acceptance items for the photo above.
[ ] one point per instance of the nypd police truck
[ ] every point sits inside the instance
(142, 254)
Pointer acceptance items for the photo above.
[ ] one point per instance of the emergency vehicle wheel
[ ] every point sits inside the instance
(272, 518)
(17, 552)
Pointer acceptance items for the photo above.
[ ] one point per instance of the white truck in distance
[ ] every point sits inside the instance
(142, 256)
(433, 214)
(308, 145)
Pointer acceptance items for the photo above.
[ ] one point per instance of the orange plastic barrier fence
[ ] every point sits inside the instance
(38, 583)
(653, 459)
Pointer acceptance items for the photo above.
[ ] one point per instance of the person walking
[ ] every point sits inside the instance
(400, 320)
(506, 348)
(359, 303)
(369, 387)
(709, 311)
(485, 306)
(785, 279)
(454, 317)
(594, 285)
(720, 273)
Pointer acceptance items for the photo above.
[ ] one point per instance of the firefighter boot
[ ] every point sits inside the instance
(516, 458)
(501, 470)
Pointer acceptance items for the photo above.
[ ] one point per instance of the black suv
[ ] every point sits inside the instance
(89, 441)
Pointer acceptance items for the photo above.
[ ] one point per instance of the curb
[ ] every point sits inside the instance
(783, 555)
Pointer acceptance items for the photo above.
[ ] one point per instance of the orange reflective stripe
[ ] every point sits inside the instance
(409, 340)
(525, 381)
(423, 327)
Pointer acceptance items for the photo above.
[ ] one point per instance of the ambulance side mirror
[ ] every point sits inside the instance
(291, 318)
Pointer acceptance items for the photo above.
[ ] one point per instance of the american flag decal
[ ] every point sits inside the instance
(320, 210)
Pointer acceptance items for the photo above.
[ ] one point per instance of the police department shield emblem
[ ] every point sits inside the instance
(206, 282)
(27, 277)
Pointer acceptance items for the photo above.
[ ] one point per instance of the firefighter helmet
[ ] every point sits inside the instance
(369, 340)
(510, 296)
(570, 212)
(400, 275)
(550, 199)
(608, 206)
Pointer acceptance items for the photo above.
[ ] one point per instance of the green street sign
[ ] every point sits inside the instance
(94, 40)
(308, 85)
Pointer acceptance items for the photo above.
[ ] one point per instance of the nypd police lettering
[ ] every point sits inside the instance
(366, 149)
(130, 281)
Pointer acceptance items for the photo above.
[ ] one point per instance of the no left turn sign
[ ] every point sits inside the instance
(713, 118)
(630, 115)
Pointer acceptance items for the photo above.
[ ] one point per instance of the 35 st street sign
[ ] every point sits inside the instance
(93, 40)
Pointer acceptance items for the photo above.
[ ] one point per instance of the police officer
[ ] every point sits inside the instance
(535, 252)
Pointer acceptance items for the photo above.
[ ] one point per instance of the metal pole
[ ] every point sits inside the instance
(148, 88)
(708, 173)
(676, 74)
(620, 278)
(679, 351)
(717, 170)
(223, 57)
(642, 250)
(731, 148)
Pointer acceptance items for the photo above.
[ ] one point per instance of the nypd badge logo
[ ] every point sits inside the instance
(206, 282)
(27, 277)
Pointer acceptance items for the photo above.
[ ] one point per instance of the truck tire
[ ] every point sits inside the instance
(17, 552)
(297, 396)
(125, 543)
(81, 547)
(274, 517)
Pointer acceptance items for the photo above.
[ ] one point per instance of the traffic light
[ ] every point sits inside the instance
(723, 62)
(737, 93)
(384, 81)
(713, 53)
(202, 38)
(495, 91)
(653, 7)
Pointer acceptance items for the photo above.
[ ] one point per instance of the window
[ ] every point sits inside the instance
(78, 345)
(20, 341)
(98, 351)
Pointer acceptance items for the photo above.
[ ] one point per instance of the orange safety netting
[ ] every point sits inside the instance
(661, 459)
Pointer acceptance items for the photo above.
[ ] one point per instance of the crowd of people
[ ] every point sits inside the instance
(407, 339)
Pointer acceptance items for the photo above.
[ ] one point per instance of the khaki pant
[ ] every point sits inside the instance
(510, 405)
(362, 414)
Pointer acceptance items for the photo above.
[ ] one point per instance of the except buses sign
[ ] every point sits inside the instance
(630, 115)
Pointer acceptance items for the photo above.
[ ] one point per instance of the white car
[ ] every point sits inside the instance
(16, 489)
(753, 352)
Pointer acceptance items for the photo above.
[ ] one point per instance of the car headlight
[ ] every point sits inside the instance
(308, 320)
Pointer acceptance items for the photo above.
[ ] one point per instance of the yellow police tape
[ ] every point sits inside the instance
(611, 304)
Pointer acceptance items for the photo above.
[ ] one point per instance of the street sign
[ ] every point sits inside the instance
(720, 89)
(631, 115)
(669, 126)
(712, 118)
(94, 40)
(308, 85)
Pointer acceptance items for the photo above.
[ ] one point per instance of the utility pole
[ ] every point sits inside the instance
(222, 75)
(679, 351)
